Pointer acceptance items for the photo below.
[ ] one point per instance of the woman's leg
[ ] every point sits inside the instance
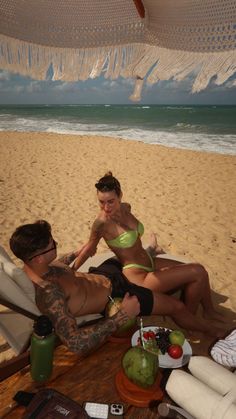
(195, 281)
(190, 277)
(169, 276)
(166, 305)
(209, 312)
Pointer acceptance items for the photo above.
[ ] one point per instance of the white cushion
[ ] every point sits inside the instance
(12, 292)
(198, 399)
(17, 275)
(16, 330)
(214, 375)
(4, 257)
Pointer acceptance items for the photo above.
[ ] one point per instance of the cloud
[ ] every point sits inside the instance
(19, 89)
(96, 89)
(69, 87)
(110, 84)
(34, 86)
(229, 84)
(117, 84)
(164, 85)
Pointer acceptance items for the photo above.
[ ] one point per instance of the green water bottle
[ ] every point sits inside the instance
(41, 350)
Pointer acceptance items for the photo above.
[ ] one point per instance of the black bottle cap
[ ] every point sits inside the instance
(43, 326)
(23, 398)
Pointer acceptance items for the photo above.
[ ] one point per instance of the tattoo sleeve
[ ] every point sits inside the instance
(68, 258)
(51, 301)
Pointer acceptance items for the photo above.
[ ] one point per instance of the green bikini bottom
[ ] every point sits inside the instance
(137, 265)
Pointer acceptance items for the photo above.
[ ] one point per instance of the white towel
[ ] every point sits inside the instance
(224, 350)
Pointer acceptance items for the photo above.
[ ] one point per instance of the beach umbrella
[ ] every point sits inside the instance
(148, 40)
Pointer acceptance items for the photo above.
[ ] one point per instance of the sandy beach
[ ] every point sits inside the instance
(187, 198)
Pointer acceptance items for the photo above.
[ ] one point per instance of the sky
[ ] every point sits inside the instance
(16, 89)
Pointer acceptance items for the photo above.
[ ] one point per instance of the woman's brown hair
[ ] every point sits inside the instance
(108, 183)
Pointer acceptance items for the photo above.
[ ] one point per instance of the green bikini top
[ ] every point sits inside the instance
(128, 238)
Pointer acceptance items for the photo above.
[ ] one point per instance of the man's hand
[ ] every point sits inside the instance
(130, 305)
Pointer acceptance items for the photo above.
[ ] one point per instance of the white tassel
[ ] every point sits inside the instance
(123, 60)
(136, 95)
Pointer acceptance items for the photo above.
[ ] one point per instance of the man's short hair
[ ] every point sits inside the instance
(29, 238)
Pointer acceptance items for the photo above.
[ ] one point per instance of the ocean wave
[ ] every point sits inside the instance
(184, 125)
(180, 107)
(179, 135)
(225, 144)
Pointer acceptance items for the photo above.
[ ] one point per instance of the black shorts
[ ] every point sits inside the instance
(112, 269)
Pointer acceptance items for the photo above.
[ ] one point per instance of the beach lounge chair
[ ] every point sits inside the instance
(18, 296)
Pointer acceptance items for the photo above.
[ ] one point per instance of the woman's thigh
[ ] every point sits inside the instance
(171, 278)
(162, 263)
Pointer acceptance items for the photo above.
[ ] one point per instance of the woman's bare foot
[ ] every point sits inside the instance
(154, 249)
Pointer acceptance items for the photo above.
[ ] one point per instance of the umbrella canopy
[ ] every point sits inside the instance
(141, 39)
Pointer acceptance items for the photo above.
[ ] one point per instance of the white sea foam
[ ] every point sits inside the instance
(201, 142)
(189, 139)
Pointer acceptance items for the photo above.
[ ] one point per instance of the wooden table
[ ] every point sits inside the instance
(88, 379)
(91, 379)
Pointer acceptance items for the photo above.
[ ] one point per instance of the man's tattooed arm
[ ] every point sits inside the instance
(51, 301)
(82, 254)
(68, 258)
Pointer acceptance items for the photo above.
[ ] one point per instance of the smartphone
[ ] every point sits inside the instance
(104, 410)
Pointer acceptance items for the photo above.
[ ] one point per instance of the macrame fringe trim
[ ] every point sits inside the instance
(129, 61)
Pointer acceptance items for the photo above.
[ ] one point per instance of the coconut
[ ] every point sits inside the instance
(112, 309)
(140, 366)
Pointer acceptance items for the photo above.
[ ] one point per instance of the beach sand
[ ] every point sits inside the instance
(187, 198)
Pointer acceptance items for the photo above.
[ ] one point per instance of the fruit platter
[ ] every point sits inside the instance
(173, 349)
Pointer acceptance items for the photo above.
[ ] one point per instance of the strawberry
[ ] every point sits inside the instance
(152, 335)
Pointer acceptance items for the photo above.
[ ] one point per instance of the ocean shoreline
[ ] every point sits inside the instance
(200, 128)
(116, 137)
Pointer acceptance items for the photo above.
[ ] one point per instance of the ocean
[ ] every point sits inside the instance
(201, 128)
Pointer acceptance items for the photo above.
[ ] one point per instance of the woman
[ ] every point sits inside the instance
(122, 232)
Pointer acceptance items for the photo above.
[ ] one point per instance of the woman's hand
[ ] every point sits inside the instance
(87, 250)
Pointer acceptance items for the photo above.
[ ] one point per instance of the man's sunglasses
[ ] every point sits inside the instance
(46, 251)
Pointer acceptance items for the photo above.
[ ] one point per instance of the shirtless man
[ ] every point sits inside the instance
(62, 294)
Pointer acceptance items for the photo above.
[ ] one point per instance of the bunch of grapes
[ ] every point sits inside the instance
(162, 339)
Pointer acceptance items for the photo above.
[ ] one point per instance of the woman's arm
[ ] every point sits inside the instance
(90, 248)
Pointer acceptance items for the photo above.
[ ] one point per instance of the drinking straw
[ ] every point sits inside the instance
(113, 301)
(141, 332)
